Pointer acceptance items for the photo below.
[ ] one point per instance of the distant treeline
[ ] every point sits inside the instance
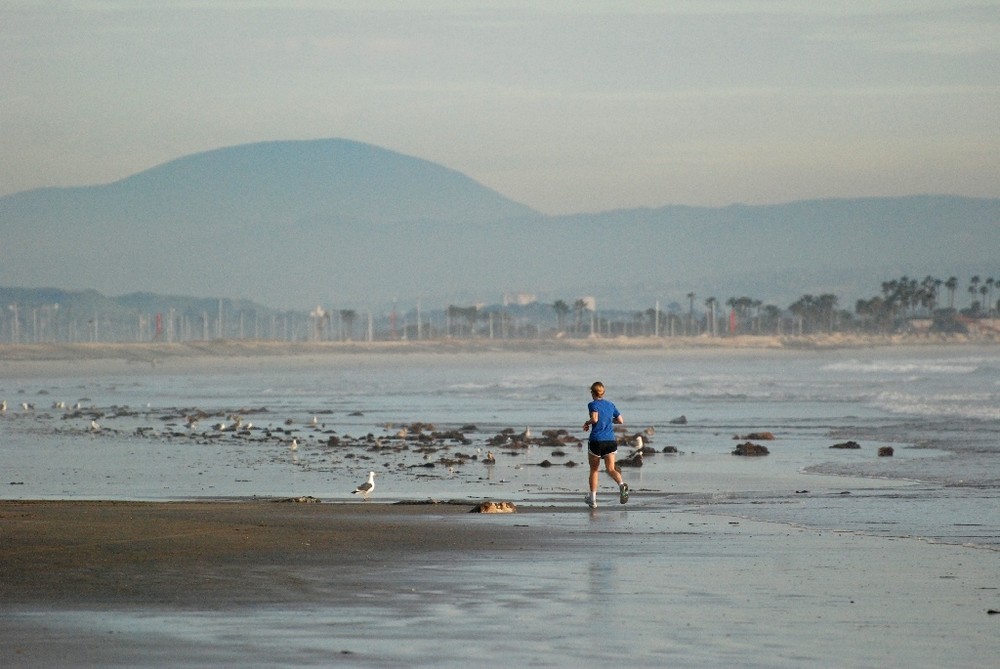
(41, 315)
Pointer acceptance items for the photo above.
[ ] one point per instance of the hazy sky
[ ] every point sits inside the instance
(571, 106)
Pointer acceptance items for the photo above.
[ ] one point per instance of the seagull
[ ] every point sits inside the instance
(294, 446)
(490, 459)
(94, 426)
(366, 487)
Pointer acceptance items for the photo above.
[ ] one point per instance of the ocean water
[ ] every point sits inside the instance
(938, 407)
(717, 560)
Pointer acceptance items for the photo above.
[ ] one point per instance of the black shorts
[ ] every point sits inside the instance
(602, 448)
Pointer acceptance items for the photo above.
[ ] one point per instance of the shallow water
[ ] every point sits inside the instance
(938, 407)
(667, 584)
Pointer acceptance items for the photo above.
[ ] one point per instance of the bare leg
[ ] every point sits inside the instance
(609, 464)
(595, 465)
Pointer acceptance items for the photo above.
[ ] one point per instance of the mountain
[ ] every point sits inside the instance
(349, 225)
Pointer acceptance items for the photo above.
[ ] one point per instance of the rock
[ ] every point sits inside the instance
(305, 499)
(494, 507)
(847, 444)
(634, 461)
(759, 436)
(885, 451)
(680, 420)
(751, 449)
(669, 449)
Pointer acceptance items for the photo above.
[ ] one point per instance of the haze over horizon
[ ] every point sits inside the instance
(568, 108)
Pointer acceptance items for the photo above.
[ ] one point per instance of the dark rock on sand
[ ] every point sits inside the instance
(751, 449)
(669, 449)
(759, 436)
(847, 444)
(680, 420)
(634, 461)
(885, 451)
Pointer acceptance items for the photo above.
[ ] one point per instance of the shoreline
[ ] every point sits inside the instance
(225, 348)
(130, 358)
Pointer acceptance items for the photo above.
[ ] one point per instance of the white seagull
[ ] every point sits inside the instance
(366, 487)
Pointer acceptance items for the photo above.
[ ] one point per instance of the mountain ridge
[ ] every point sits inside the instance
(298, 223)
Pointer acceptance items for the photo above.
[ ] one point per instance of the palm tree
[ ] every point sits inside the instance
(973, 288)
(928, 292)
(772, 318)
(951, 284)
(579, 307)
(810, 309)
(990, 282)
(561, 309)
(826, 308)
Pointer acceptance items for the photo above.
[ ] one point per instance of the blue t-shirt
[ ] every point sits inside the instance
(604, 430)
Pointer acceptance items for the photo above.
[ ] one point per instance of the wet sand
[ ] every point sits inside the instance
(260, 583)
(218, 553)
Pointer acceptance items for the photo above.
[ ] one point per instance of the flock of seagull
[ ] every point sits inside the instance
(428, 446)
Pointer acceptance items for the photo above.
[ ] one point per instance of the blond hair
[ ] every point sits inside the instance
(597, 388)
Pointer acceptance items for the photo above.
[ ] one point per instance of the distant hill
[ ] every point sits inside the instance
(344, 224)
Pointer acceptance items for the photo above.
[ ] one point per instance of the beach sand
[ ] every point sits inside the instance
(263, 583)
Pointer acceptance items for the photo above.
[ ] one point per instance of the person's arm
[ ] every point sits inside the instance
(619, 420)
(592, 421)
